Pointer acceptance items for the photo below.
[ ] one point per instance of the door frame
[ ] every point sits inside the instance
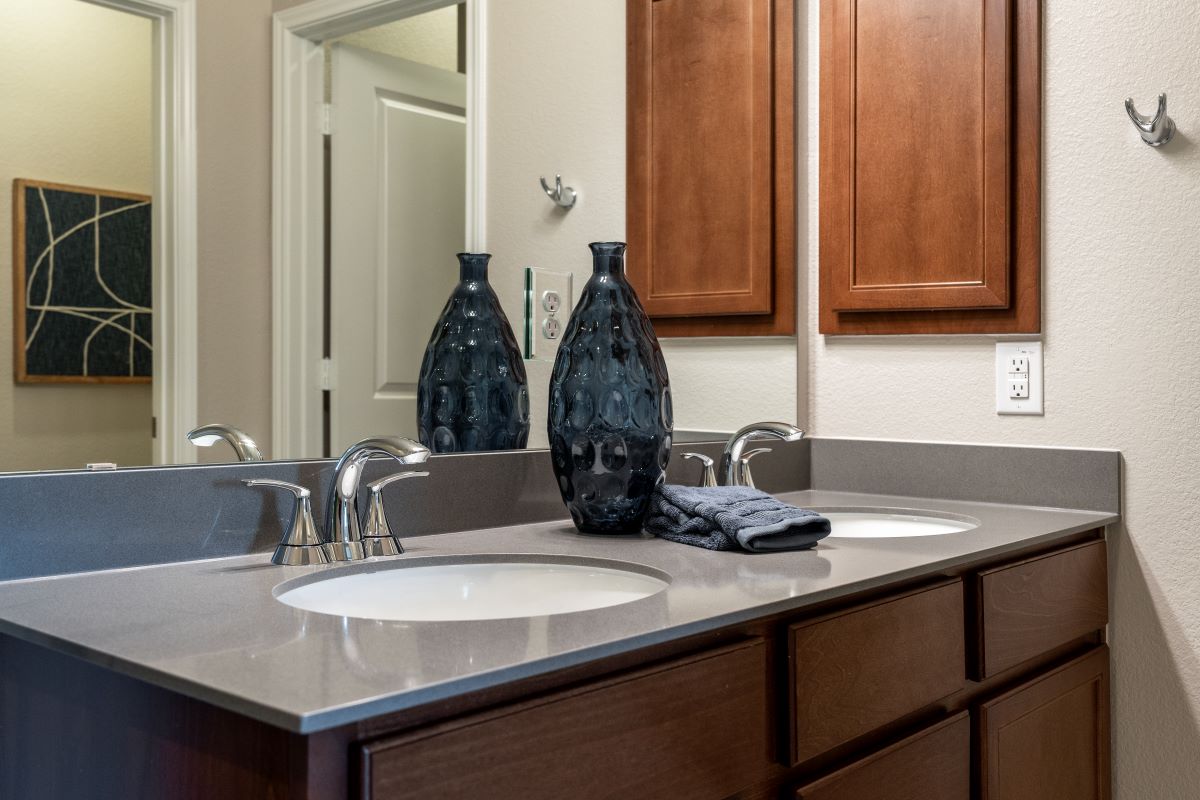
(297, 193)
(175, 322)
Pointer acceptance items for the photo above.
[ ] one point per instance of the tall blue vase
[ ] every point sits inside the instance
(472, 393)
(610, 403)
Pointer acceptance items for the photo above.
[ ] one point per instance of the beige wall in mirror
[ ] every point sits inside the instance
(76, 82)
(75, 85)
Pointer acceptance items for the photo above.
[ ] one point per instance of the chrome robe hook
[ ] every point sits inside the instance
(563, 196)
(1157, 130)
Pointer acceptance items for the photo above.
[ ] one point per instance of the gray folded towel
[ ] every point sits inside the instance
(732, 518)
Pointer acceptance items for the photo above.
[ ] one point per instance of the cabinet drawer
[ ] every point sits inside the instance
(695, 727)
(858, 669)
(932, 764)
(1032, 606)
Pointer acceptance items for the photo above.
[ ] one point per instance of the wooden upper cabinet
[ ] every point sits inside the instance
(929, 177)
(710, 144)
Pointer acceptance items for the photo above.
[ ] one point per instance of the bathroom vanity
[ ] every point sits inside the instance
(970, 664)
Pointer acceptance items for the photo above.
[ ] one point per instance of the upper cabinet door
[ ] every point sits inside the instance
(917, 142)
(710, 157)
(929, 179)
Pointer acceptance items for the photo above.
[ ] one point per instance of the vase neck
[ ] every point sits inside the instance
(473, 266)
(608, 258)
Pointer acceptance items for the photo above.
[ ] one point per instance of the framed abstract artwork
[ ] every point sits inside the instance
(82, 307)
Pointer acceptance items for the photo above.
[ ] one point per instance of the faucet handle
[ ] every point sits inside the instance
(747, 478)
(301, 543)
(708, 477)
(377, 536)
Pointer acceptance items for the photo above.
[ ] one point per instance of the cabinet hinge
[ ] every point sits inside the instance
(326, 376)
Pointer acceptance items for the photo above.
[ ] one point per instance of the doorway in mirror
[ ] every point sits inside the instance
(397, 214)
(357, 299)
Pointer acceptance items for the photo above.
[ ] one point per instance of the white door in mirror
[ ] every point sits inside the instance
(397, 217)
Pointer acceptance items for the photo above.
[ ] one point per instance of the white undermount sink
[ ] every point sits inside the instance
(472, 588)
(850, 523)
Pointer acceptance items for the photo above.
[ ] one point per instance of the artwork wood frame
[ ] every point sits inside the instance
(139, 332)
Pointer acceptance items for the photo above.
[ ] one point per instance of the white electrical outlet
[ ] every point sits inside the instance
(548, 306)
(1019, 378)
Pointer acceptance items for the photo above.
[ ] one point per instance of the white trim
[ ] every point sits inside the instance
(173, 219)
(477, 125)
(297, 194)
(296, 261)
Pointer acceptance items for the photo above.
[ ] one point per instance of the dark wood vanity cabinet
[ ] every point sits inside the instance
(855, 670)
(932, 764)
(692, 727)
(986, 682)
(929, 166)
(1029, 606)
(1048, 738)
(710, 185)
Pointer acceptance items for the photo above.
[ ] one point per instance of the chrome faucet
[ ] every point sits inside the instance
(343, 531)
(732, 465)
(242, 444)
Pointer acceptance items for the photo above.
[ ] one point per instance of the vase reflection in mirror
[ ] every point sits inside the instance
(472, 393)
(610, 417)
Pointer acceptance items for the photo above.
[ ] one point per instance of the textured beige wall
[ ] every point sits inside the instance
(75, 86)
(233, 118)
(1122, 352)
(556, 103)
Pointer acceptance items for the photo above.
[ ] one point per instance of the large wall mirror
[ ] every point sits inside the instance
(402, 133)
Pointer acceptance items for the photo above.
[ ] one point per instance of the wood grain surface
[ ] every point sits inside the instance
(914, 235)
(931, 764)
(1048, 739)
(861, 668)
(1034, 605)
(710, 165)
(695, 727)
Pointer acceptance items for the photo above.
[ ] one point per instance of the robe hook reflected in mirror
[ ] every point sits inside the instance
(1157, 130)
(563, 196)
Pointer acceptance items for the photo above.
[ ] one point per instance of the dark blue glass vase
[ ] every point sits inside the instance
(472, 394)
(610, 403)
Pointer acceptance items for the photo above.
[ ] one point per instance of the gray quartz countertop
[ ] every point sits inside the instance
(212, 629)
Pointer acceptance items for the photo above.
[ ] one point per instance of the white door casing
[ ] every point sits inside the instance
(397, 217)
(173, 224)
(297, 206)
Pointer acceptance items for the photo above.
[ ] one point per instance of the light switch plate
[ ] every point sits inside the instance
(548, 306)
(1019, 378)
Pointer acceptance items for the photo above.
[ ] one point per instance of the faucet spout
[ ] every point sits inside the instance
(343, 529)
(208, 435)
(731, 461)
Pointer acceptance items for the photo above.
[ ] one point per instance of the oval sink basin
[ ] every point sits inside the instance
(436, 591)
(856, 524)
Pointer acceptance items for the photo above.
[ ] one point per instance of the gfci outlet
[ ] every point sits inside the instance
(1019, 378)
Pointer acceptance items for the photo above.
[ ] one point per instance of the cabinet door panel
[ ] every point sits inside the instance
(932, 764)
(920, 184)
(1049, 738)
(856, 670)
(710, 181)
(695, 727)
